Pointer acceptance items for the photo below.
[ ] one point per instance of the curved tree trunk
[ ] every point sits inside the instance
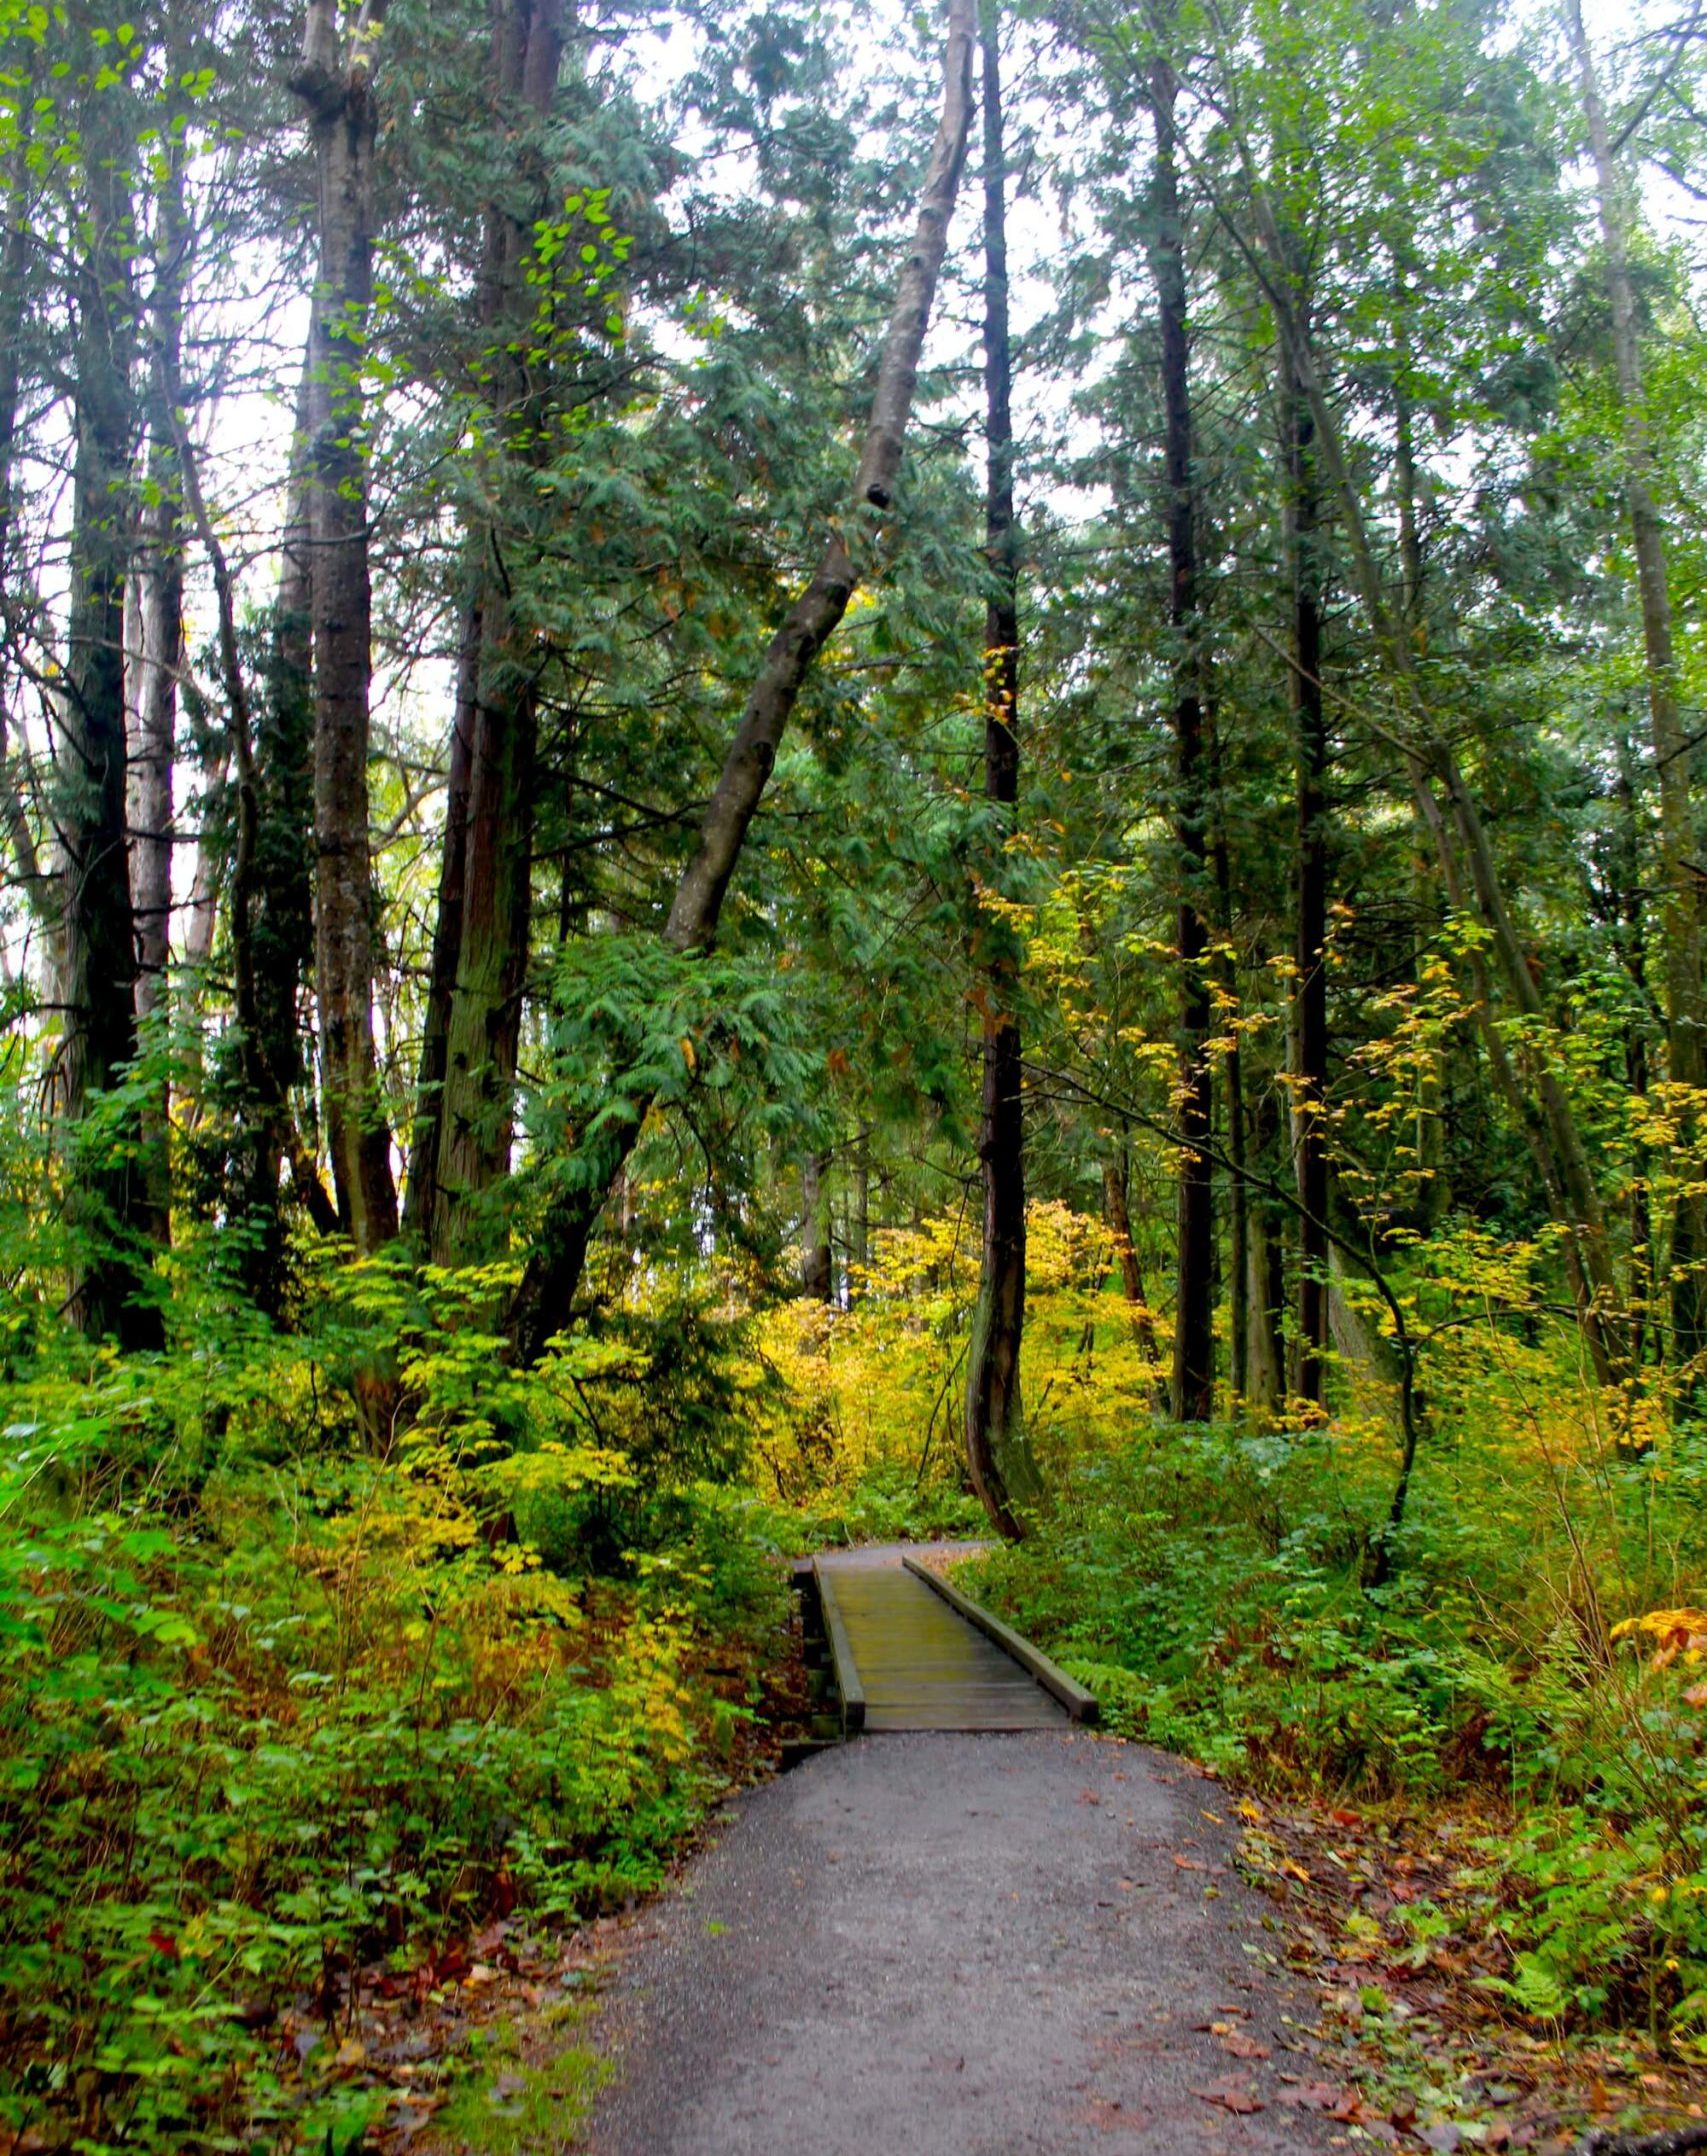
(541, 1305)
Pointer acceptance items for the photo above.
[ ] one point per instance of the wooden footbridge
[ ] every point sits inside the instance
(905, 1649)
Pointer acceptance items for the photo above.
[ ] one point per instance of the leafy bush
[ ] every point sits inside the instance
(273, 1709)
(1208, 1584)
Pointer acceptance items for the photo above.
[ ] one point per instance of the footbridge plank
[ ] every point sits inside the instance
(916, 1662)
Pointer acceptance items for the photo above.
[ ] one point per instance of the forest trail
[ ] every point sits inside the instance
(964, 1945)
(920, 1664)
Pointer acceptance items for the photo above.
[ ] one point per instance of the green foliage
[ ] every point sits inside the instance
(1207, 1583)
(512, 2104)
(273, 1710)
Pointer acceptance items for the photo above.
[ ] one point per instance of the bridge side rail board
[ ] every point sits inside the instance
(848, 1683)
(1081, 1705)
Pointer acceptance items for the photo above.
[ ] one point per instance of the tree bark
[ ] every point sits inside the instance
(1116, 1207)
(999, 1456)
(466, 1113)
(817, 1264)
(43, 886)
(859, 1225)
(111, 1201)
(1233, 1075)
(335, 84)
(1669, 736)
(541, 1305)
(153, 655)
(1266, 1279)
(268, 895)
(1194, 1323)
(1310, 979)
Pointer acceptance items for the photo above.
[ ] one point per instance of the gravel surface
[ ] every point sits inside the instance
(957, 1945)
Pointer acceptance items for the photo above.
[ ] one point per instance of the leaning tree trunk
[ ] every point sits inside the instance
(466, 1111)
(541, 1305)
(1670, 738)
(998, 1449)
(335, 84)
(1194, 1324)
(111, 1200)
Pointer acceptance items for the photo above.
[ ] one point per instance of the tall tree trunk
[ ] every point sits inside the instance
(1265, 1346)
(859, 1225)
(269, 894)
(153, 654)
(1669, 736)
(1310, 979)
(153, 650)
(540, 1308)
(335, 84)
(465, 1117)
(44, 888)
(280, 907)
(817, 1265)
(1233, 1069)
(111, 1208)
(1632, 941)
(1460, 840)
(1116, 1175)
(1541, 1105)
(998, 1450)
(1194, 1323)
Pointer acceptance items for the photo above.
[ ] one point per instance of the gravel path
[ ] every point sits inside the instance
(948, 1945)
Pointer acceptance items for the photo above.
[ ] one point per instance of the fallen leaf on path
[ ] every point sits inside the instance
(1239, 2101)
(1190, 1864)
(1104, 2112)
(1244, 2047)
(1313, 2096)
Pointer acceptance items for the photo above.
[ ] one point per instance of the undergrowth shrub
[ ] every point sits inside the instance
(275, 1709)
(1209, 1585)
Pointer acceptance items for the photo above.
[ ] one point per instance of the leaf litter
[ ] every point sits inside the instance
(1391, 1914)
